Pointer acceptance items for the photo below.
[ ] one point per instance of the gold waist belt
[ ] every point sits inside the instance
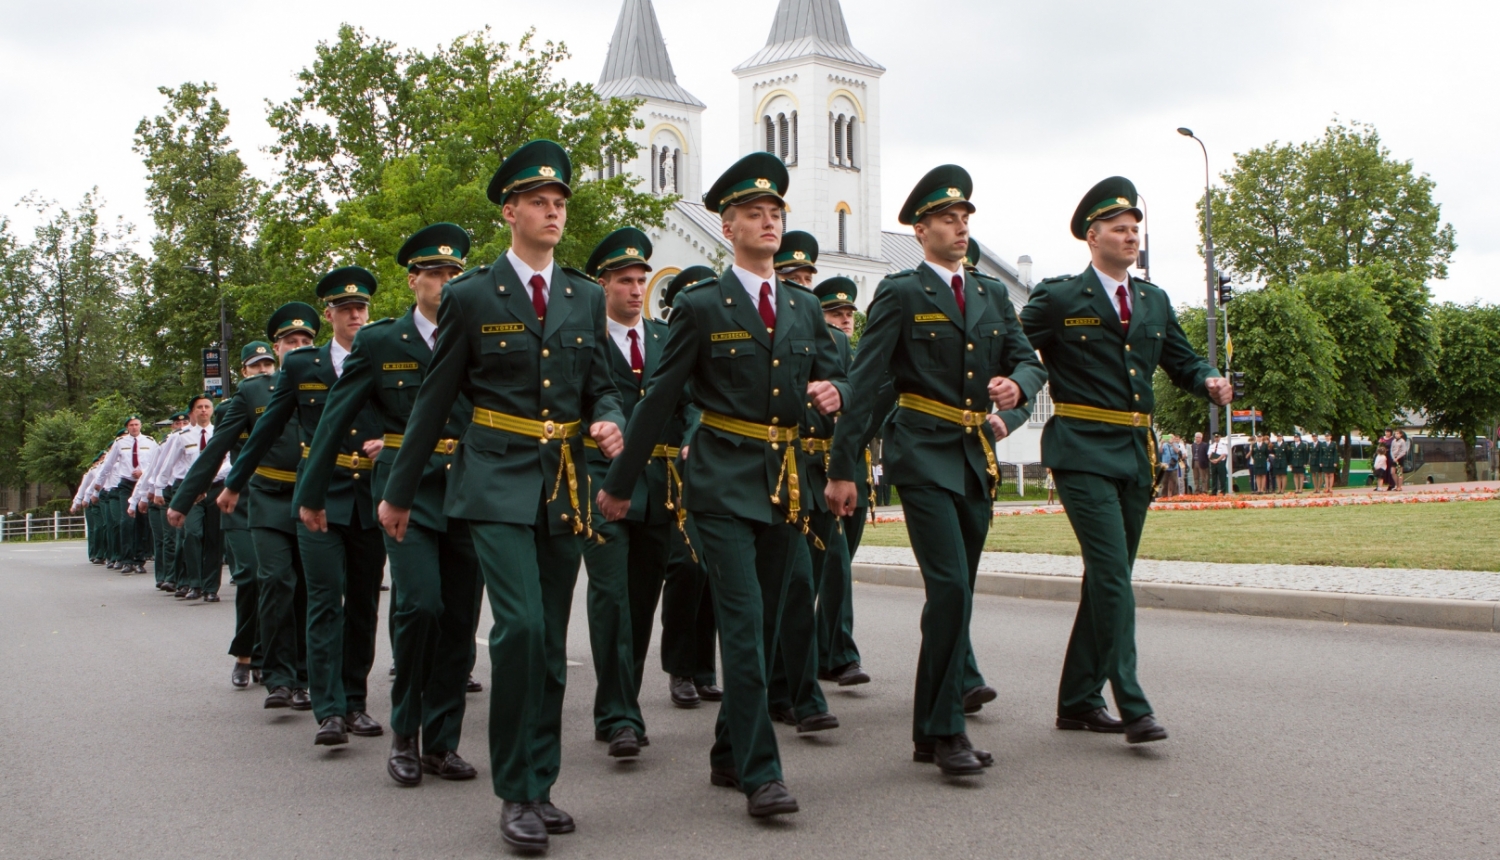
(545, 432)
(1112, 416)
(776, 436)
(444, 446)
(662, 451)
(814, 445)
(352, 462)
(966, 418)
(277, 474)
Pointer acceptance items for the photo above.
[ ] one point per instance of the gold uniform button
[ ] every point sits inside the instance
(775, 362)
(732, 350)
(971, 374)
(546, 353)
(1132, 371)
(1137, 397)
(775, 420)
(643, 392)
(356, 476)
(546, 412)
(1083, 337)
(354, 432)
(502, 344)
(775, 392)
(580, 340)
(546, 383)
(932, 334)
(971, 347)
(400, 382)
(968, 401)
(1127, 347)
(565, 517)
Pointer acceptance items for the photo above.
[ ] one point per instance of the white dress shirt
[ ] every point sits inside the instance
(337, 354)
(620, 334)
(943, 273)
(1219, 449)
(117, 465)
(426, 328)
(1112, 288)
(751, 282)
(524, 272)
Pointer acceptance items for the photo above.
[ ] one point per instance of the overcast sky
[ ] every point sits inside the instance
(1037, 99)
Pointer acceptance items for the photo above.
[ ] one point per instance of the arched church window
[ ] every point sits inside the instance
(838, 140)
(794, 139)
(770, 134)
(843, 232)
(654, 187)
(676, 171)
(783, 148)
(849, 144)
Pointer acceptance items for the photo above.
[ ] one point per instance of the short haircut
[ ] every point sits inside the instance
(194, 401)
(1097, 222)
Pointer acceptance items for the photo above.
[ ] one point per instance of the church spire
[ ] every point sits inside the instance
(805, 28)
(638, 64)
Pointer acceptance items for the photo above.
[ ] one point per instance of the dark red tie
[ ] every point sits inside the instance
(135, 454)
(767, 309)
(202, 439)
(539, 296)
(1122, 294)
(958, 291)
(637, 364)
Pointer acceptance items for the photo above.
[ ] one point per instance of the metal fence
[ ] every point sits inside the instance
(16, 527)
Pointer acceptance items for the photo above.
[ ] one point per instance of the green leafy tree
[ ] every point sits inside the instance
(60, 445)
(203, 204)
(1461, 392)
(379, 142)
(20, 373)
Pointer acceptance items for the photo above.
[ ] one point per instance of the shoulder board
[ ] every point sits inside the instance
(985, 276)
(657, 324)
(1141, 281)
(700, 285)
(301, 350)
(1056, 279)
(797, 286)
(580, 275)
(469, 274)
(901, 274)
(379, 322)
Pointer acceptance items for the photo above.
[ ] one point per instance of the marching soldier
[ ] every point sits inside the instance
(796, 259)
(280, 581)
(756, 351)
(345, 564)
(1102, 335)
(434, 572)
(128, 459)
(526, 342)
(198, 547)
(257, 358)
(144, 501)
(627, 567)
(87, 499)
(951, 345)
(688, 632)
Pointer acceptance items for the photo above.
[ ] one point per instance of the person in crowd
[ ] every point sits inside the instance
(1400, 451)
(1381, 467)
(1167, 460)
(1218, 462)
(1201, 465)
(1260, 452)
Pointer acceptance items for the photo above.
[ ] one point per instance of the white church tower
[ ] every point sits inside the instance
(670, 159)
(812, 98)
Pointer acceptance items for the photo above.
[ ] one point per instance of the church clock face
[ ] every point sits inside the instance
(656, 303)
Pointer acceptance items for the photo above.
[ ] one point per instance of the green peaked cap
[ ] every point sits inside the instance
(256, 350)
(538, 163)
(944, 186)
(799, 250)
(692, 276)
(626, 246)
(435, 246)
(1109, 198)
(837, 292)
(346, 284)
(757, 175)
(293, 317)
(971, 256)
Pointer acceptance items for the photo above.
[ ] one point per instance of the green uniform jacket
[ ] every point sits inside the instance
(648, 502)
(1297, 452)
(301, 392)
(915, 335)
(815, 471)
(1260, 455)
(717, 341)
(492, 349)
(230, 434)
(240, 519)
(385, 370)
(1090, 361)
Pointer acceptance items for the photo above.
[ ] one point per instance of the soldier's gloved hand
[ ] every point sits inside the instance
(998, 426)
(175, 519)
(1005, 393)
(373, 447)
(228, 499)
(608, 435)
(394, 520)
(613, 509)
(840, 496)
(825, 398)
(316, 521)
(1220, 390)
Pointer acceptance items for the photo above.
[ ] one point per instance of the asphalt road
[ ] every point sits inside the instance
(121, 737)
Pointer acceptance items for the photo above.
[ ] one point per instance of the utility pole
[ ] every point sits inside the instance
(1209, 273)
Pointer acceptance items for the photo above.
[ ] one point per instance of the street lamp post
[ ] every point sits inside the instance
(1208, 246)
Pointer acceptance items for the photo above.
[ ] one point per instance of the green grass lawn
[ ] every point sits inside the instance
(1455, 535)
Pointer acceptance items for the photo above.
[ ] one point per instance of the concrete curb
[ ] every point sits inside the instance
(1476, 615)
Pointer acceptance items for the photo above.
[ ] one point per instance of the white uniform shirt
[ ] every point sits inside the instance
(425, 328)
(1219, 449)
(524, 272)
(946, 276)
(337, 354)
(620, 334)
(86, 489)
(1112, 287)
(117, 466)
(751, 282)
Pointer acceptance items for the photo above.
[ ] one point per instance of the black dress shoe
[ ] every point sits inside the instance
(976, 698)
(624, 743)
(210, 598)
(448, 765)
(1144, 730)
(181, 592)
(955, 757)
(1097, 720)
(817, 723)
(255, 676)
(112, 566)
(280, 697)
(851, 675)
(522, 828)
(556, 820)
(724, 777)
(362, 724)
(96, 561)
(784, 715)
(169, 586)
(301, 701)
(192, 594)
(684, 692)
(473, 686)
(240, 676)
(771, 799)
(710, 693)
(392, 673)
(331, 732)
(922, 752)
(404, 764)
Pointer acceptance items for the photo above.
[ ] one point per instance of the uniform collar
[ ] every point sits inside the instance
(428, 330)
(752, 282)
(524, 272)
(337, 354)
(945, 274)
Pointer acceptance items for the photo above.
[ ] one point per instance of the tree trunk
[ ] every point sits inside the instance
(1471, 470)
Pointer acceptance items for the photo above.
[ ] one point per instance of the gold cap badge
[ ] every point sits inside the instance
(298, 322)
(260, 350)
(352, 288)
(763, 184)
(954, 192)
(445, 249)
(799, 255)
(632, 252)
(546, 171)
(843, 295)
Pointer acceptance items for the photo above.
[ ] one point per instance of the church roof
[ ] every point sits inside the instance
(638, 64)
(809, 28)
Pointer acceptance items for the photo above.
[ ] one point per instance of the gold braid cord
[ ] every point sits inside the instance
(1080, 412)
(776, 436)
(965, 418)
(676, 505)
(546, 432)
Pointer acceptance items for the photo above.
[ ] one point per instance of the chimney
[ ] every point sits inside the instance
(1023, 269)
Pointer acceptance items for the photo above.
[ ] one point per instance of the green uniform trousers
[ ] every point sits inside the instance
(688, 632)
(283, 607)
(109, 513)
(343, 567)
(836, 646)
(132, 548)
(794, 676)
(202, 544)
(749, 565)
(624, 584)
(435, 595)
(246, 641)
(161, 533)
(529, 574)
(91, 531)
(1218, 477)
(1107, 515)
(947, 533)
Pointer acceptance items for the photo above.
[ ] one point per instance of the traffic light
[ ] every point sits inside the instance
(1238, 380)
(1226, 290)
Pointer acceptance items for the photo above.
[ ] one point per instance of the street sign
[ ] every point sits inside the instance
(213, 373)
(1245, 415)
